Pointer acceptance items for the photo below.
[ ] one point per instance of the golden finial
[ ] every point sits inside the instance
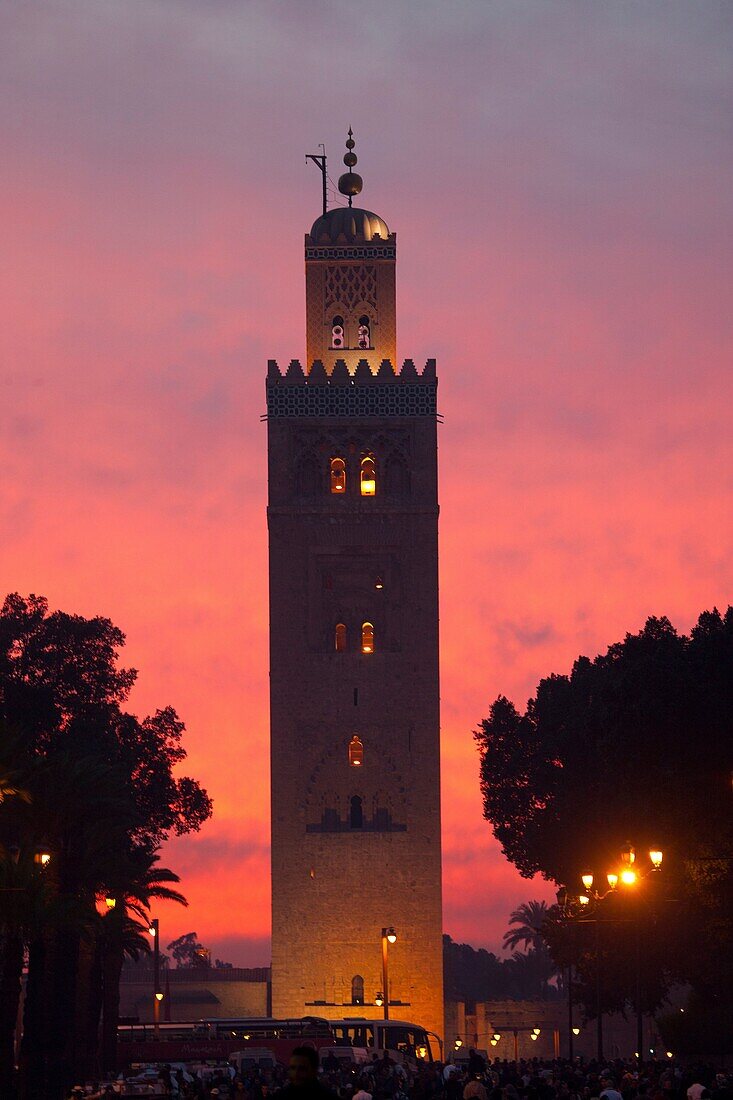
(350, 183)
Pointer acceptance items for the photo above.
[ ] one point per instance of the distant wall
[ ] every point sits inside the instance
(475, 1024)
(199, 993)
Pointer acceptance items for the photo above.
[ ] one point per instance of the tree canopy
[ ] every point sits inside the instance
(635, 747)
(95, 787)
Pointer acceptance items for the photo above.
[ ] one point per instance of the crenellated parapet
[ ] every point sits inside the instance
(363, 392)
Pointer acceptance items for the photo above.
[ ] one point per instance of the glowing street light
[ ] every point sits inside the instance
(110, 901)
(576, 1031)
(656, 858)
(584, 899)
(496, 1036)
(628, 877)
(628, 855)
(587, 880)
(612, 879)
(379, 999)
(42, 857)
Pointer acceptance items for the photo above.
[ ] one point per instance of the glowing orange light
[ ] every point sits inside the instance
(612, 879)
(587, 880)
(628, 877)
(368, 477)
(656, 857)
(584, 899)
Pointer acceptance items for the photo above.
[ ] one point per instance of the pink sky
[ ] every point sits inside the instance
(559, 179)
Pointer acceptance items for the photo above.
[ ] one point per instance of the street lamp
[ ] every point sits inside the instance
(656, 858)
(154, 931)
(379, 999)
(110, 901)
(42, 856)
(388, 936)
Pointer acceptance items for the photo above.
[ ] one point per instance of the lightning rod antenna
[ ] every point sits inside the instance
(319, 159)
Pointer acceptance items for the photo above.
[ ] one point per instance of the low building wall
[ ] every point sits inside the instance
(197, 994)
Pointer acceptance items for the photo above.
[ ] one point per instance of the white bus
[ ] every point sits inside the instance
(402, 1040)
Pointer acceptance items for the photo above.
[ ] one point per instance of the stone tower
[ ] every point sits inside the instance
(353, 535)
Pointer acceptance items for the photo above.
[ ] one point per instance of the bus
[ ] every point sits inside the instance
(354, 1038)
(402, 1040)
(217, 1039)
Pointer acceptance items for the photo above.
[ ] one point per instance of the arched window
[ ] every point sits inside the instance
(357, 990)
(308, 476)
(365, 333)
(367, 638)
(340, 637)
(356, 817)
(368, 477)
(395, 477)
(337, 332)
(338, 475)
(356, 752)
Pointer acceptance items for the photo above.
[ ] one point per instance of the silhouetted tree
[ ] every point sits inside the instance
(102, 794)
(188, 953)
(635, 745)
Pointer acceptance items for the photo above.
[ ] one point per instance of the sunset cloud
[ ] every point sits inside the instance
(558, 177)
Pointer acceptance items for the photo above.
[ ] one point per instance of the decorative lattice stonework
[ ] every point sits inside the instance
(373, 399)
(370, 252)
(349, 286)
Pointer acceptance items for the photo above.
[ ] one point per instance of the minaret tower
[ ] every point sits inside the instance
(353, 535)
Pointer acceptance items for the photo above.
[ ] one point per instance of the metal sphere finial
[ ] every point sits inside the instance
(351, 182)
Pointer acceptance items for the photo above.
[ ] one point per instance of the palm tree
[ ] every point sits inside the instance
(138, 882)
(529, 919)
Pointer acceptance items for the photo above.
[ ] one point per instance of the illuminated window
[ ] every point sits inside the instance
(356, 817)
(367, 638)
(368, 477)
(356, 752)
(340, 637)
(365, 333)
(338, 475)
(357, 990)
(337, 332)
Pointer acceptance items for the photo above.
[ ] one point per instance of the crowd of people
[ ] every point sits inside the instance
(473, 1079)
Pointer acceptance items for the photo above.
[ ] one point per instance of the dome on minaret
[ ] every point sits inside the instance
(348, 225)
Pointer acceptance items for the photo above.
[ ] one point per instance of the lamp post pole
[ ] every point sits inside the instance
(570, 1011)
(639, 1017)
(157, 995)
(388, 936)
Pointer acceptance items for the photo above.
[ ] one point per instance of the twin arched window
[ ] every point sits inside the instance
(367, 637)
(363, 333)
(367, 481)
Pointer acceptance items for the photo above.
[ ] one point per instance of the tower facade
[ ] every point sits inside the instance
(355, 755)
